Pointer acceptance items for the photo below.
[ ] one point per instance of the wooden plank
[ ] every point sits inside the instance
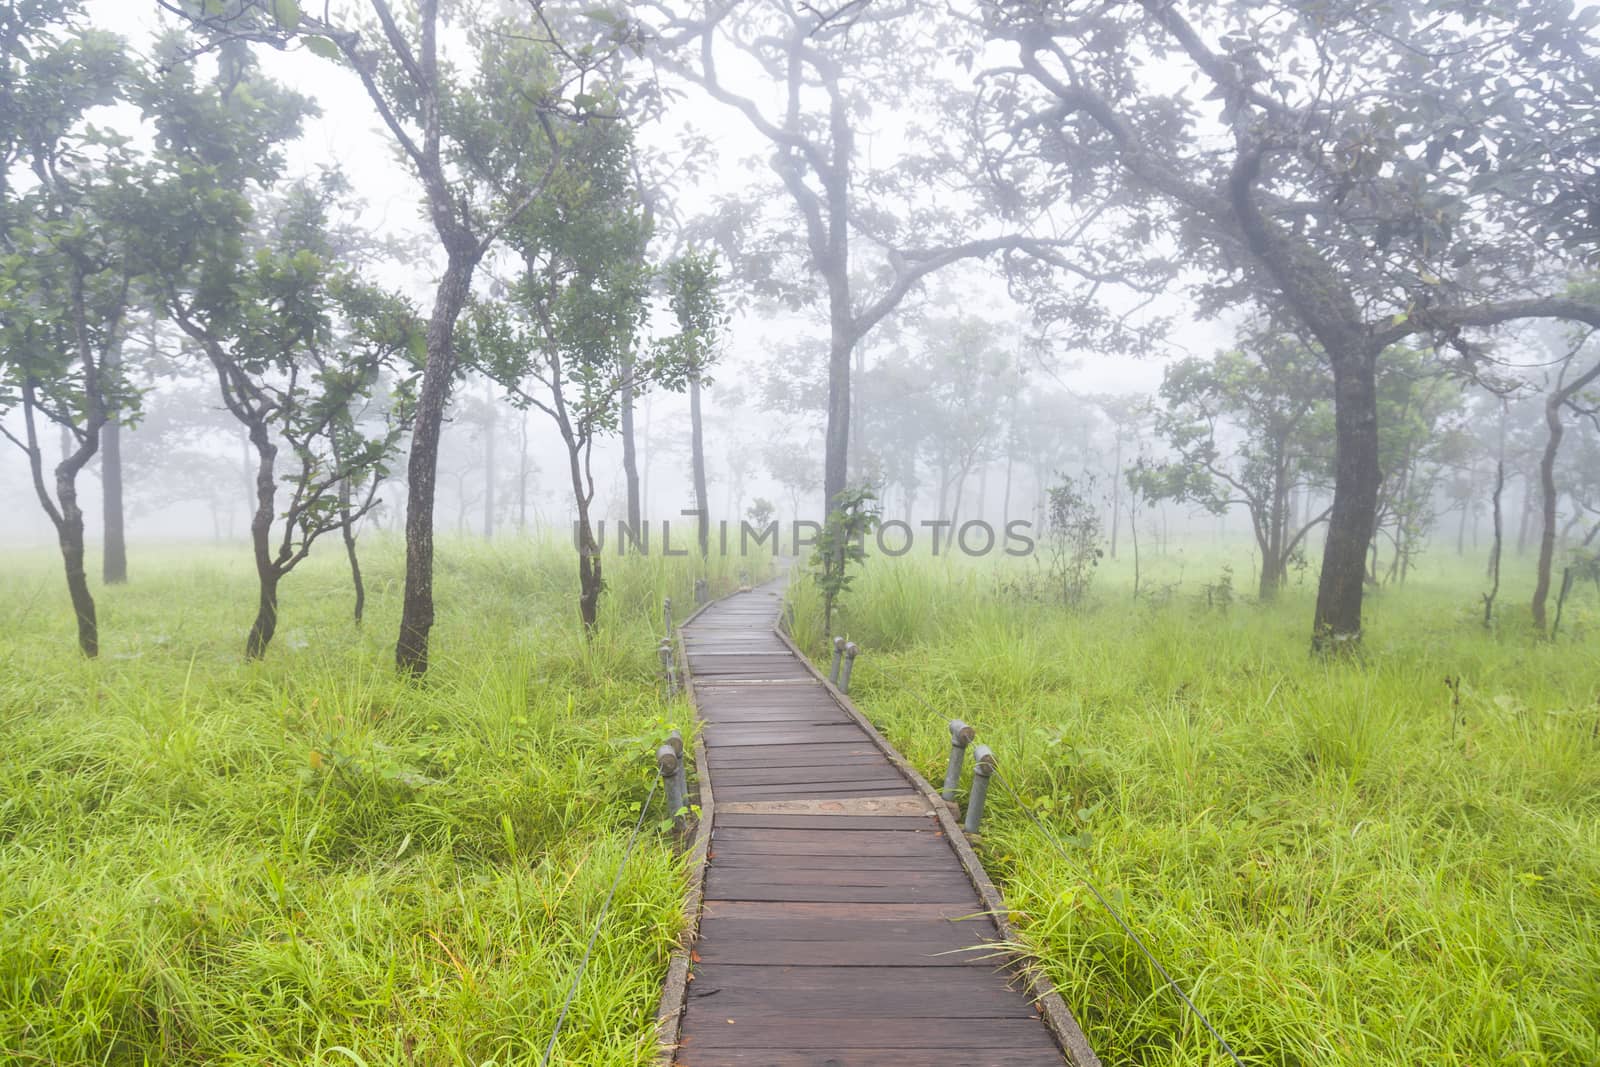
(778, 1030)
(888, 912)
(768, 861)
(910, 841)
(744, 736)
(834, 823)
(781, 755)
(887, 952)
(852, 928)
(731, 879)
(841, 790)
(790, 755)
(956, 998)
(785, 981)
(865, 1057)
(915, 805)
(725, 884)
(780, 775)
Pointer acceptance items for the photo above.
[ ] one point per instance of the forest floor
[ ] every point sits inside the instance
(1393, 860)
(306, 860)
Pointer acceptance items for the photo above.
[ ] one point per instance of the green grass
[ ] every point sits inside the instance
(1340, 865)
(307, 860)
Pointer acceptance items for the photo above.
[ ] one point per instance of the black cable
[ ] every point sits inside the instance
(1104, 903)
(599, 921)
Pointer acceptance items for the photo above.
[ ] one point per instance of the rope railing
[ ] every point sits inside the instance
(673, 775)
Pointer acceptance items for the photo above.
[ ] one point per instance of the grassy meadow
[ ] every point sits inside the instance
(307, 860)
(1342, 862)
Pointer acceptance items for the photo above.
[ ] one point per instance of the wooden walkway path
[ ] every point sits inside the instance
(839, 926)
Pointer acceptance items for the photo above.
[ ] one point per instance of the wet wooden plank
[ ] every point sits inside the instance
(780, 1030)
(914, 840)
(744, 736)
(779, 775)
(838, 926)
(726, 884)
(832, 823)
(837, 790)
(790, 755)
(770, 862)
(863, 1057)
(779, 924)
(875, 1056)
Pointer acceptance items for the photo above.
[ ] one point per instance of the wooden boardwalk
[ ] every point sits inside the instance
(839, 926)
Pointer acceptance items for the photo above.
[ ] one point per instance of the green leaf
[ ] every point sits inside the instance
(286, 13)
(322, 46)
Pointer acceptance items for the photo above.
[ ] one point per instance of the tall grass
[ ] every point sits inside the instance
(1341, 863)
(309, 860)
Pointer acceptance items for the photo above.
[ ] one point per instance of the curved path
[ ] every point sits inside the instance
(839, 926)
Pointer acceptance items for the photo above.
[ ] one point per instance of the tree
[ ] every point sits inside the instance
(842, 545)
(566, 339)
(1128, 416)
(691, 281)
(483, 149)
(1419, 407)
(964, 372)
(830, 66)
(1072, 538)
(795, 468)
(295, 346)
(1273, 394)
(1375, 182)
(66, 269)
(1576, 388)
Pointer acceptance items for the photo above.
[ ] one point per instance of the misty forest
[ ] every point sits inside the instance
(415, 411)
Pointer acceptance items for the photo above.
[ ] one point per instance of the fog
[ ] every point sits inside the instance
(1085, 345)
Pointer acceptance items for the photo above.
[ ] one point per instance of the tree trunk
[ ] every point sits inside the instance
(1357, 480)
(1499, 529)
(955, 507)
(114, 550)
(416, 612)
(266, 624)
(267, 574)
(590, 579)
(837, 448)
(1527, 516)
(698, 463)
(630, 458)
(1553, 404)
(1273, 550)
(522, 476)
(1267, 590)
(1005, 495)
(70, 535)
(347, 529)
(67, 518)
(944, 500)
(644, 474)
(489, 473)
(1547, 509)
(1133, 530)
(1116, 495)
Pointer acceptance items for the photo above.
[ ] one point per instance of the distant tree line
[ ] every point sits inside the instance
(1385, 197)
